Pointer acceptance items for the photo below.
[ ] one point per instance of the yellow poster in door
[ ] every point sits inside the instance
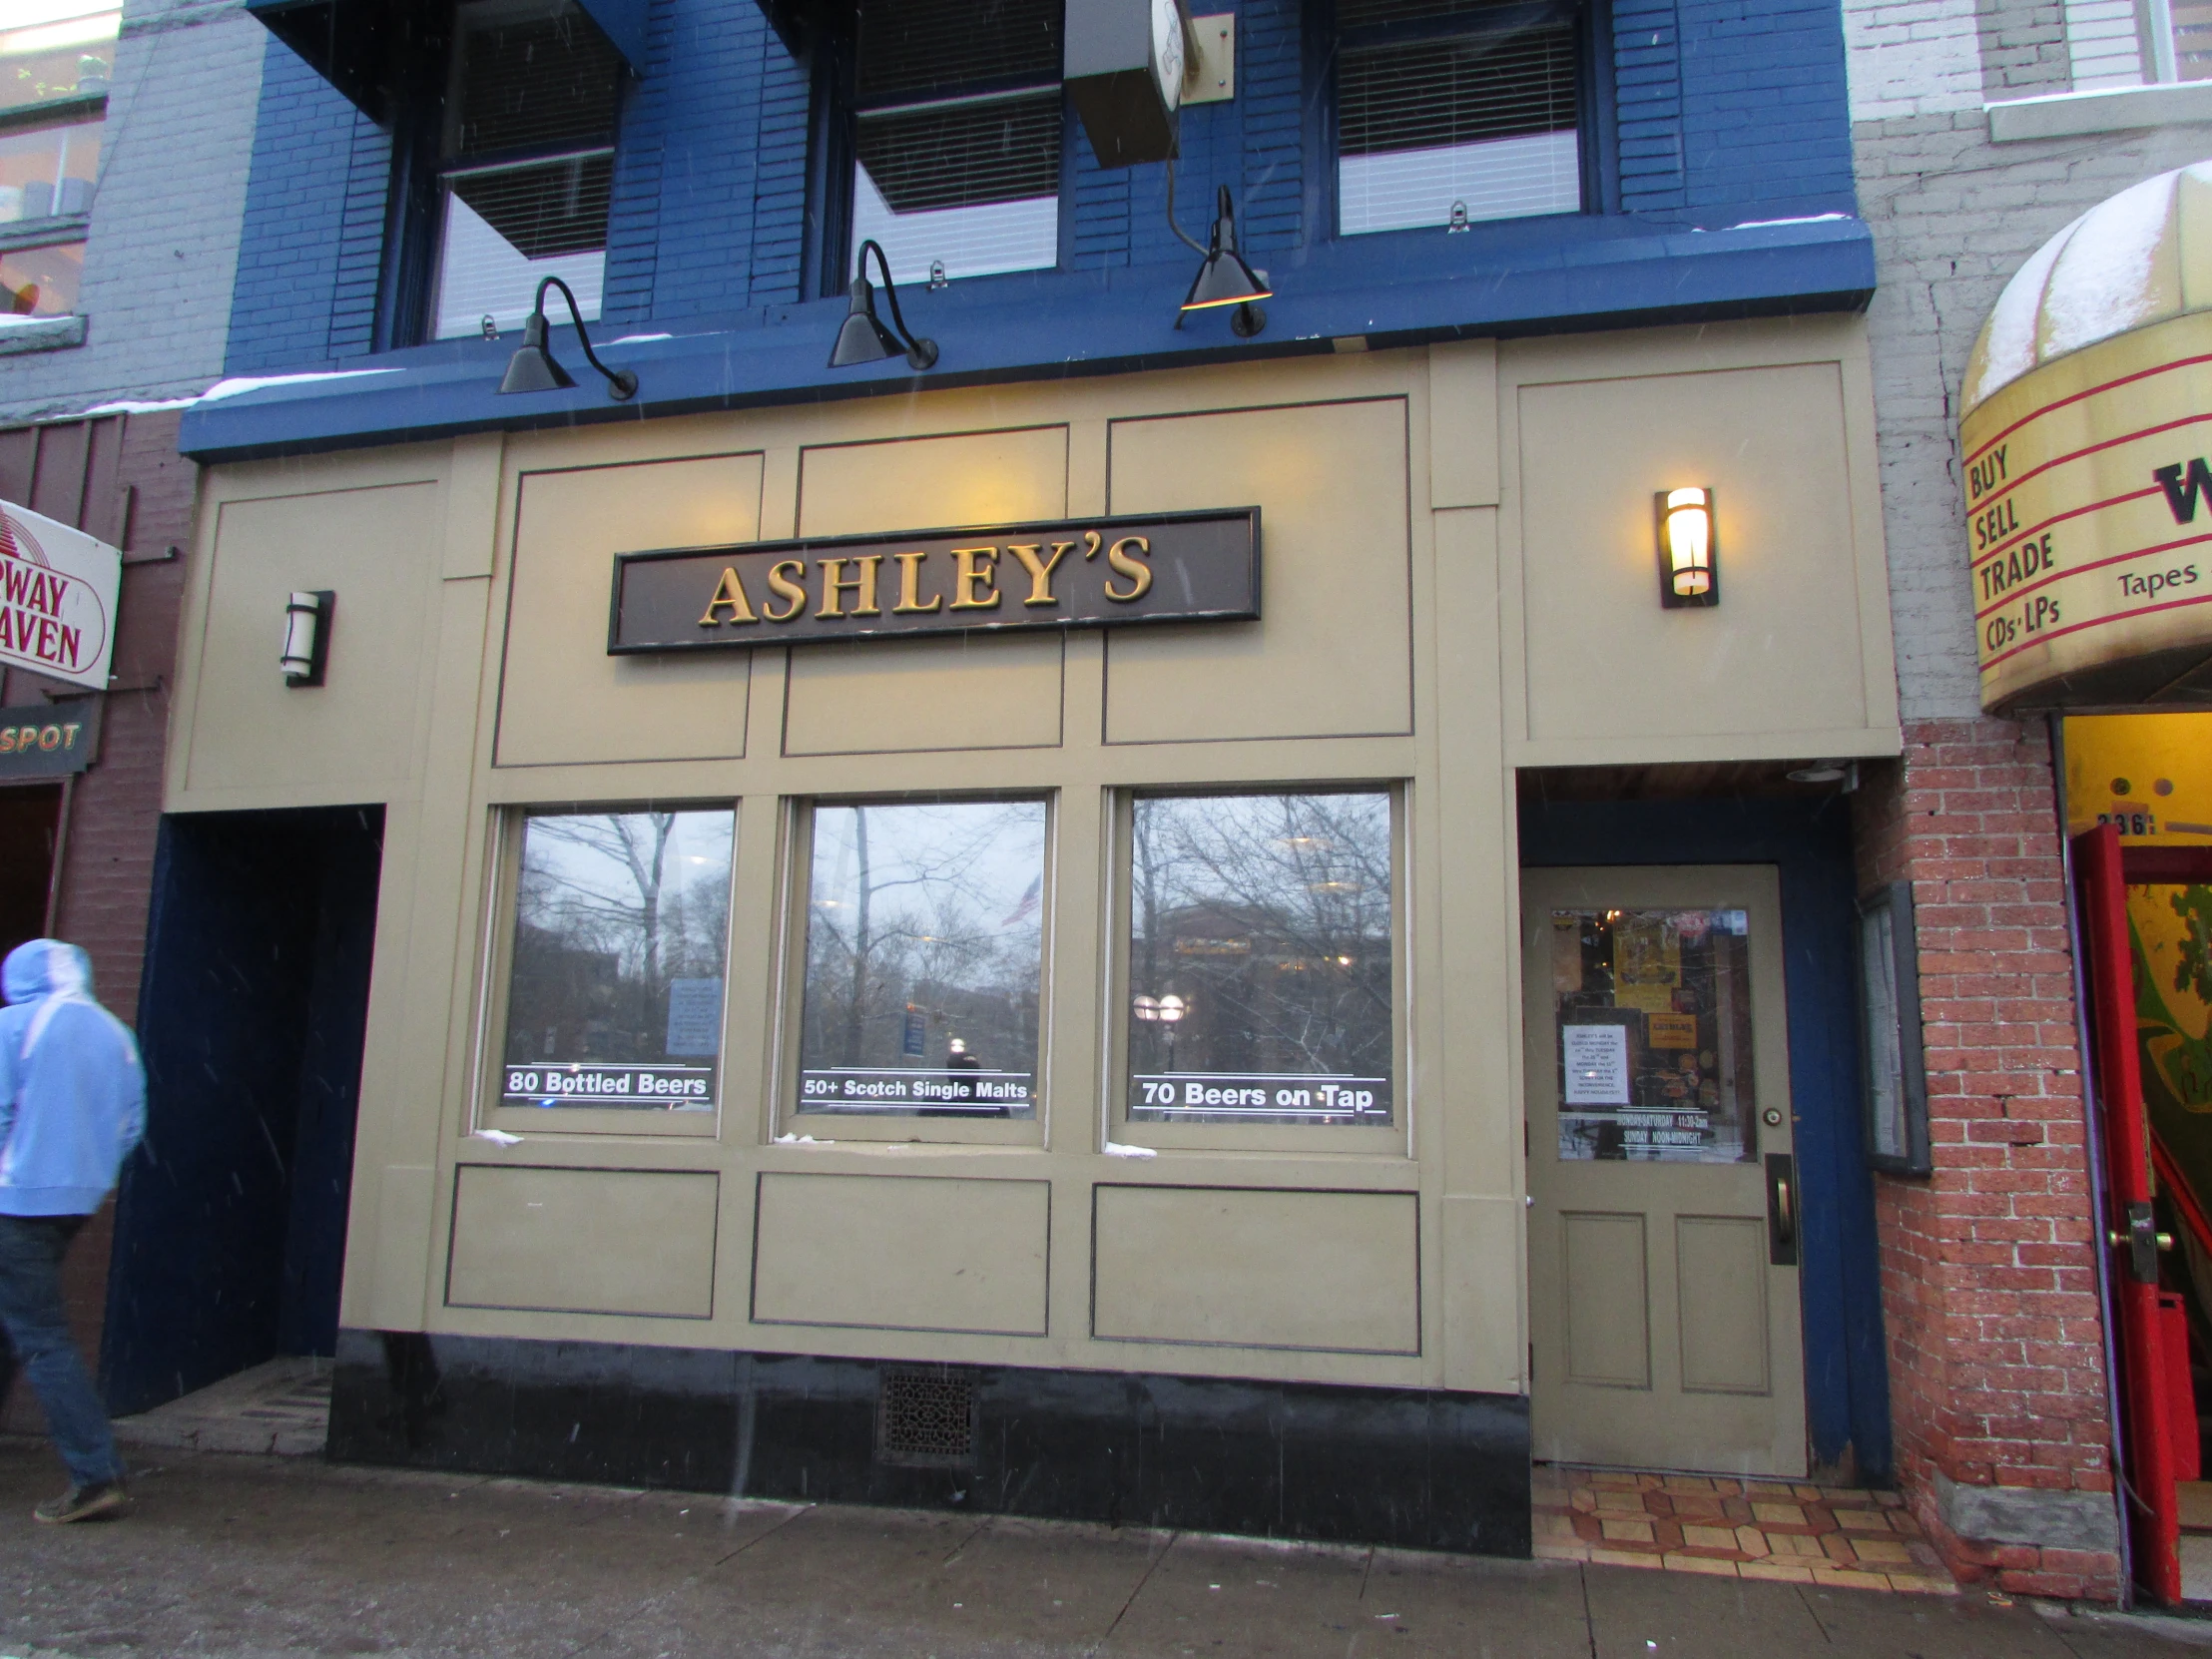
(1647, 964)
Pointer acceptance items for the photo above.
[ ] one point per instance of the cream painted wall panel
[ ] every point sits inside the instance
(562, 698)
(583, 1241)
(1331, 655)
(1217, 1266)
(1481, 1278)
(1462, 424)
(932, 484)
(902, 1253)
(915, 694)
(1782, 652)
(376, 549)
(972, 693)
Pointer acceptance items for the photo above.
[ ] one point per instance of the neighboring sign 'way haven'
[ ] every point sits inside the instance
(57, 590)
(1086, 573)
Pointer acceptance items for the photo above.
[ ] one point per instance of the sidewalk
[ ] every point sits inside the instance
(252, 1557)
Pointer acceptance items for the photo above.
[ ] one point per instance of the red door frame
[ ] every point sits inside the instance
(2152, 1419)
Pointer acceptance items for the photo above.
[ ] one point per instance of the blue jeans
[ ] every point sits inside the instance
(37, 1339)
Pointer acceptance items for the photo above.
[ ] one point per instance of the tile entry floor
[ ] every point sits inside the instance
(1735, 1528)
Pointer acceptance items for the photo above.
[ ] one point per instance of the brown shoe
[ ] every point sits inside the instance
(98, 1501)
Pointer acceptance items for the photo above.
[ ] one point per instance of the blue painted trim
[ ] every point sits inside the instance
(1847, 1390)
(1535, 276)
(623, 23)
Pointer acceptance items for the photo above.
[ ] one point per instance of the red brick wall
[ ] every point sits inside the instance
(79, 472)
(1989, 1277)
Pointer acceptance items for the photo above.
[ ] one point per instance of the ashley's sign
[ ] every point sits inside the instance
(1089, 573)
(57, 598)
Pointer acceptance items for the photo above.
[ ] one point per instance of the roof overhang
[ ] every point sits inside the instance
(365, 48)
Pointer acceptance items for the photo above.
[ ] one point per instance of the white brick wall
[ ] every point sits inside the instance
(165, 219)
(1912, 57)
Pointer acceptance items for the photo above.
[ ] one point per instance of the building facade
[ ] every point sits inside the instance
(125, 132)
(1980, 135)
(1211, 886)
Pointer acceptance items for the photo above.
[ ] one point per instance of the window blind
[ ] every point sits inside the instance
(910, 51)
(536, 85)
(956, 134)
(1445, 106)
(533, 82)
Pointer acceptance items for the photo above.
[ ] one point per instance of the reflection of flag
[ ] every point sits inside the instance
(1028, 905)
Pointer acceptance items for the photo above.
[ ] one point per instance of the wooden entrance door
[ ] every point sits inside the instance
(1663, 1277)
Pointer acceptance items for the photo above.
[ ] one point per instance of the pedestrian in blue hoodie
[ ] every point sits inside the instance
(72, 1106)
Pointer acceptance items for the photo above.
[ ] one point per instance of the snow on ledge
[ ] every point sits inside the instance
(233, 388)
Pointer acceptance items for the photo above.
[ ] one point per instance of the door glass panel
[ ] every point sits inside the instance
(1654, 1035)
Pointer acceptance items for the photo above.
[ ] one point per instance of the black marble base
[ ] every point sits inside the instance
(1408, 1467)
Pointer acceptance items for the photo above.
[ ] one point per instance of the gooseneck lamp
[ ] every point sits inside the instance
(1225, 279)
(533, 369)
(1687, 574)
(862, 338)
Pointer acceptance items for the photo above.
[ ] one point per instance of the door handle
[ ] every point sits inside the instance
(1782, 1210)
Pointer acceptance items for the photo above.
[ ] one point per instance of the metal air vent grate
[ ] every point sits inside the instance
(925, 1418)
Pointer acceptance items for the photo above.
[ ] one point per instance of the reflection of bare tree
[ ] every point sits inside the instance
(1271, 915)
(907, 905)
(609, 910)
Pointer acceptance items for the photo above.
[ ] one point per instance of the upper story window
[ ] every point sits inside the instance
(2120, 43)
(1450, 104)
(56, 59)
(956, 135)
(527, 161)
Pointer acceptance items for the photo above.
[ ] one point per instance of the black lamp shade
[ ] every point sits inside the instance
(532, 368)
(1225, 280)
(862, 338)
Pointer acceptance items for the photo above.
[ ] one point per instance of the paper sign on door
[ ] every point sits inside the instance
(1596, 1064)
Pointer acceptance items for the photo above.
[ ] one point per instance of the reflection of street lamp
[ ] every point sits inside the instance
(1172, 1008)
(1165, 1009)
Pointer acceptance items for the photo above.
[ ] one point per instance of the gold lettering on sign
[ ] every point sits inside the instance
(910, 586)
(730, 592)
(862, 586)
(971, 582)
(785, 588)
(1040, 571)
(1140, 576)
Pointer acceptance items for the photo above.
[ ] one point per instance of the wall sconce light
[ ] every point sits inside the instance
(306, 636)
(532, 368)
(1225, 279)
(1689, 573)
(862, 338)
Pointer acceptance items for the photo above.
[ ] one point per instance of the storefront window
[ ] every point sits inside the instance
(924, 959)
(614, 997)
(1654, 1021)
(1260, 959)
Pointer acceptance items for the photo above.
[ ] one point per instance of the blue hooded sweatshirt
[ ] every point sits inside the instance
(72, 1091)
